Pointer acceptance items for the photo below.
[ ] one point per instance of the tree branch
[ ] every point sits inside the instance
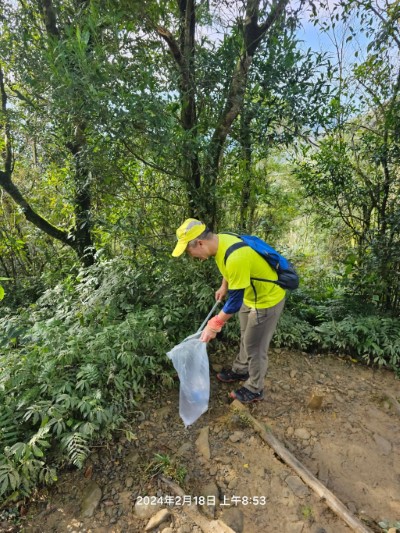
(173, 45)
(253, 32)
(30, 214)
(383, 20)
(49, 17)
(25, 98)
(253, 35)
(7, 184)
(145, 162)
(7, 152)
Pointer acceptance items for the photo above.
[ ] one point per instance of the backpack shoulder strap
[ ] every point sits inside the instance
(232, 248)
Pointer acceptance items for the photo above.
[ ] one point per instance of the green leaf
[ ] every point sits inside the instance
(37, 451)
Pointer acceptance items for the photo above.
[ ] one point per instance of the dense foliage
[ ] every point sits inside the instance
(75, 364)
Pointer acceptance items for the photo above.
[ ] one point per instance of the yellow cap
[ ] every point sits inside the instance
(189, 230)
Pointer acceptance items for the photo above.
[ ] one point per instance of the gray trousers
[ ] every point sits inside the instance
(257, 327)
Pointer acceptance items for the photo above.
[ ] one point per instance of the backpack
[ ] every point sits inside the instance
(287, 275)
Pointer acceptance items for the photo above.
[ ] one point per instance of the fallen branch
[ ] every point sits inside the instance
(334, 503)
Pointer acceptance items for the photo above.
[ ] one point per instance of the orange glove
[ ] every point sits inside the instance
(213, 327)
(215, 324)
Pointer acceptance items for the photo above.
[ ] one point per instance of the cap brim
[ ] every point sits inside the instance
(179, 249)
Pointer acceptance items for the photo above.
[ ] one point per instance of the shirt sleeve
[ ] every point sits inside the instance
(234, 302)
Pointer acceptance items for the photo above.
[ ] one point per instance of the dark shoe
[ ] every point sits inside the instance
(228, 376)
(246, 396)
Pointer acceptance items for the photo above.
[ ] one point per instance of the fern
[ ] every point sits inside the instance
(39, 441)
(87, 376)
(76, 447)
(9, 477)
(9, 430)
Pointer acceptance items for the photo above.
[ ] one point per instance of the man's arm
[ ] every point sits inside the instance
(221, 292)
(216, 323)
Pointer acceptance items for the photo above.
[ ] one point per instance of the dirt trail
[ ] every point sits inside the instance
(351, 443)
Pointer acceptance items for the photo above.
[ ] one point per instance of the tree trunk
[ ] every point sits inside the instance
(247, 200)
(80, 239)
(184, 55)
(253, 34)
(202, 198)
(82, 200)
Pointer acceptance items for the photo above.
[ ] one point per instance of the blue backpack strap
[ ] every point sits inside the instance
(232, 248)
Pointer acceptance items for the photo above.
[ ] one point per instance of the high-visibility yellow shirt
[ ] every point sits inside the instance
(242, 266)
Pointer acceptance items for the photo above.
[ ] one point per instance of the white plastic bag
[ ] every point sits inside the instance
(191, 362)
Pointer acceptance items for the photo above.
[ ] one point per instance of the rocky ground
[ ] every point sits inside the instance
(350, 442)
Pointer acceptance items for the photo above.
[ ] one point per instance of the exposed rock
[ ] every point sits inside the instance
(339, 397)
(125, 501)
(162, 413)
(185, 448)
(317, 451)
(351, 507)
(90, 500)
(202, 443)
(211, 493)
(323, 474)
(224, 460)
(185, 528)
(233, 517)
(298, 487)
(215, 526)
(233, 483)
(132, 457)
(146, 510)
(157, 519)
(213, 470)
(236, 436)
(384, 445)
(302, 433)
(315, 401)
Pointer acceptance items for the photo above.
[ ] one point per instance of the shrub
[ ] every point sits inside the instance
(293, 332)
(376, 339)
(75, 364)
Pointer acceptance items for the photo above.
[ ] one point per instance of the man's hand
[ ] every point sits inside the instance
(213, 327)
(208, 334)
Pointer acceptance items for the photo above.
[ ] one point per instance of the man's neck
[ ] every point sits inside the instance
(214, 242)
